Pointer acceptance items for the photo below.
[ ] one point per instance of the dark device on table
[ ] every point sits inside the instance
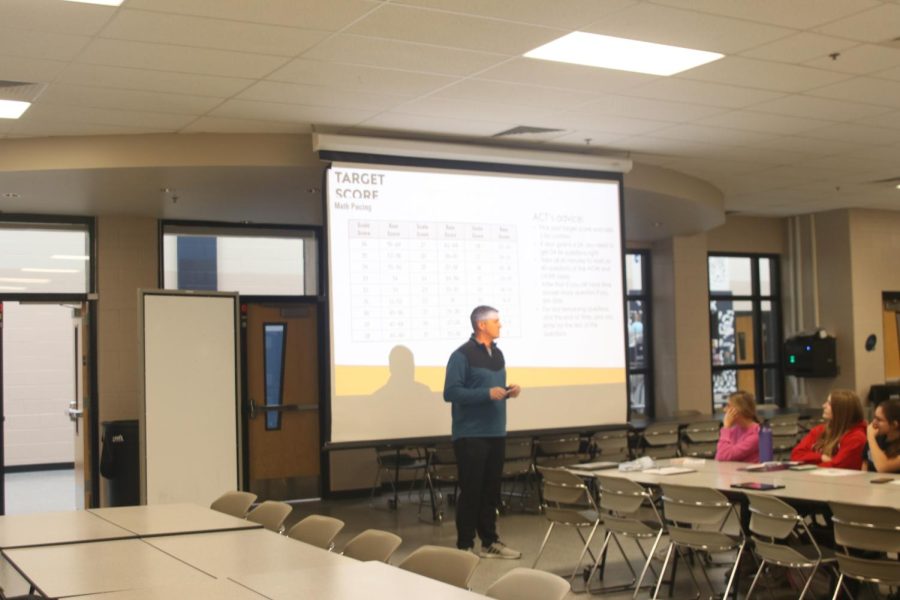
(755, 485)
(882, 480)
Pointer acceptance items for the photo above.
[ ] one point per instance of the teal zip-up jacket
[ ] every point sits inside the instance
(471, 373)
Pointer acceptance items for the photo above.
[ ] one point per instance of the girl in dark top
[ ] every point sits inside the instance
(883, 451)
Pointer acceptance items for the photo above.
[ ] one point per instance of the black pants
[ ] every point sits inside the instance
(480, 465)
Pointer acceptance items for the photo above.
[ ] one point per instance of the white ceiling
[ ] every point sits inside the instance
(778, 125)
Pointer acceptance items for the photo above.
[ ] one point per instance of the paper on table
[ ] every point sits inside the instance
(669, 471)
(895, 482)
(834, 472)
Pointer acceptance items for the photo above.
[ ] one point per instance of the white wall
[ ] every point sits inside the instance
(38, 383)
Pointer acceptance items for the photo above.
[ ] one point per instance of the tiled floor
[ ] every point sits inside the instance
(40, 491)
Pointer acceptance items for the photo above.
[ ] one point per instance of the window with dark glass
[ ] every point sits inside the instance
(637, 303)
(273, 360)
(745, 327)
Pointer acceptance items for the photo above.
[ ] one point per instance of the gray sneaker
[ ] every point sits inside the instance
(499, 550)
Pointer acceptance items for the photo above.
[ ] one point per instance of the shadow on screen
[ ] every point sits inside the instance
(401, 383)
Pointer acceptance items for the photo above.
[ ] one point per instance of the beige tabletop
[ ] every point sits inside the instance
(167, 519)
(215, 589)
(57, 528)
(230, 553)
(853, 487)
(95, 567)
(350, 581)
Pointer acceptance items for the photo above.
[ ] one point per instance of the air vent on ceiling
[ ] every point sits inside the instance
(527, 131)
(22, 91)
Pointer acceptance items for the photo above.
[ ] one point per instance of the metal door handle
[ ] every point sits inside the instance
(73, 412)
(254, 407)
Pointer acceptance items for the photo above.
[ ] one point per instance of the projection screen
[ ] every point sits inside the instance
(413, 250)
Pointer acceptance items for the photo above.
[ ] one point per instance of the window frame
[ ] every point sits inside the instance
(644, 296)
(756, 299)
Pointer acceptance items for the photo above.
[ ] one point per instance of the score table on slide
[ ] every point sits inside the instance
(420, 280)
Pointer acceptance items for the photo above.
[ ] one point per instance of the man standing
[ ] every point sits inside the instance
(475, 385)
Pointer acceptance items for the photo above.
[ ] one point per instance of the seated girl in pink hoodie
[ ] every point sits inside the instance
(739, 436)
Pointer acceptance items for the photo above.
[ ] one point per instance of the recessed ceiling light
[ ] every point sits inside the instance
(898, 186)
(12, 288)
(12, 109)
(101, 2)
(608, 52)
(40, 270)
(69, 257)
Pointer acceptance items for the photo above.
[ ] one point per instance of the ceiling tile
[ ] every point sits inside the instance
(762, 74)
(575, 77)
(312, 14)
(175, 58)
(762, 122)
(564, 14)
(385, 81)
(876, 25)
(29, 69)
(54, 16)
(199, 32)
(152, 81)
(66, 127)
(292, 113)
(453, 30)
(889, 74)
(798, 105)
(713, 167)
(862, 59)
(585, 139)
(849, 164)
(312, 95)
(482, 90)
(221, 125)
(40, 45)
(606, 124)
(851, 132)
(799, 14)
(433, 106)
(63, 114)
(78, 95)
(666, 146)
(689, 29)
(645, 108)
(711, 135)
(808, 145)
(393, 54)
(762, 154)
(865, 90)
(698, 92)
(397, 121)
(799, 47)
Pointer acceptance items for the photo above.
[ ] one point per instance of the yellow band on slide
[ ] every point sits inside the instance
(362, 381)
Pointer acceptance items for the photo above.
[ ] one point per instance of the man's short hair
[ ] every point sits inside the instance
(483, 313)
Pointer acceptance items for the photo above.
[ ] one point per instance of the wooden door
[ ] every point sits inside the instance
(283, 394)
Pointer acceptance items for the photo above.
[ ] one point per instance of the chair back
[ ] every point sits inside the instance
(870, 537)
(528, 584)
(772, 518)
(518, 447)
(452, 566)
(660, 440)
(566, 498)
(700, 439)
(234, 503)
(695, 506)
(270, 514)
(627, 507)
(318, 530)
(777, 528)
(611, 445)
(442, 464)
(373, 544)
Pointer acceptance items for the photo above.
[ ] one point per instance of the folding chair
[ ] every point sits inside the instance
(778, 533)
(611, 445)
(700, 439)
(627, 509)
(785, 434)
(867, 536)
(440, 470)
(567, 500)
(694, 519)
(660, 440)
(392, 460)
(452, 566)
(559, 450)
(518, 470)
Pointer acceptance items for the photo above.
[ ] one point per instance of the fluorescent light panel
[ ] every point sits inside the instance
(12, 109)
(41, 270)
(609, 52)
(23, 280)
(69, 257)
(101, 2)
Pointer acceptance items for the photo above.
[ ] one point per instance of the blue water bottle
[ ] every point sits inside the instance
(765, 443)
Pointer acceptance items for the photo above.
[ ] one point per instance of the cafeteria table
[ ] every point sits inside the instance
(38, 529)
(168, 519)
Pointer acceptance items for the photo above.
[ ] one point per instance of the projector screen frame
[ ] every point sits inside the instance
(332, 156)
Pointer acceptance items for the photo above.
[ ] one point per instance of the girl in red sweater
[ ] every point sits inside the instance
(840, 442)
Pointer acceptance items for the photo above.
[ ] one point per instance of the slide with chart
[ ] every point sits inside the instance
(412, 251)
